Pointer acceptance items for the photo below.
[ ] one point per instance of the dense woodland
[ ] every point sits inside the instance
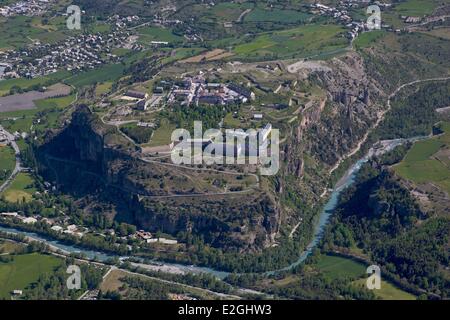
(378, 215)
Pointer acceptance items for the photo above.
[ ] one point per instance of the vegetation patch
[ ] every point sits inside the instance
(7, 162)
(422, 165)
(298, 42)
(24, 270)
(21, 189)
(335, 267)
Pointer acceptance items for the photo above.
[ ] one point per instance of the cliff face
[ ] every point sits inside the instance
(88, 158)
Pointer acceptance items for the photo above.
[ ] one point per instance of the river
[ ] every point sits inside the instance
(347, 180)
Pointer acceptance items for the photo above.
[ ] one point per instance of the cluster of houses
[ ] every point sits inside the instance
(196, 91)
(83, 52)
(123, 22)
(341, 13)
(409, 19)
(26, 8)
(148, 238)
(63, 226)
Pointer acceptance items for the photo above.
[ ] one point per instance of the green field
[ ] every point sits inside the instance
(106, 73)
(415, 7)
(276, 15)
(148, 34)
(22, 120)
(19, 31)
(366, 39)
(182, 53)
(387, 292)
(24, 270)
(162, 135)
(20, 189)
(335, 267)
(421, 165)
(298, 42)
(228, 11)
(7, 162)
(23, 83)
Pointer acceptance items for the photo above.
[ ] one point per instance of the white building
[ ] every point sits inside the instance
(29, 220)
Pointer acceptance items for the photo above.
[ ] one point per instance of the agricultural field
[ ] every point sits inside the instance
(181, 53)
(24, 84)
(22, 121)
(387, 292)
(24, 270)
(416, 7)
(162, 135)
(228, 12)
(7, 162)
(19, 31)
(148, 34)
(335, 267)
(276, 15)
(21, 189)
(105, 73)
(366, 39)
(428, 161)
(103, 88)
(298, 42)
(214, 55)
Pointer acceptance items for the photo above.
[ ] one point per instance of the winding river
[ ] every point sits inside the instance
(347, 180)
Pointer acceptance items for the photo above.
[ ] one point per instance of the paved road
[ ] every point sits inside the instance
(18, 166)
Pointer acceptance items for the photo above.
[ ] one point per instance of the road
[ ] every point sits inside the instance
(18, 166)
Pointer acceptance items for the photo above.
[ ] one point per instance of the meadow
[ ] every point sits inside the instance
(421, 165)
(7, 162)
(387, 291)
(162, 135)
(416, 7)
(23, 271)
(24, 83)
(276, 15)
(335, 267)
(229, 11)
(366, 39)
(109, 72)
(298, 42)
(21, 189)
(148, 34)
(22, 120)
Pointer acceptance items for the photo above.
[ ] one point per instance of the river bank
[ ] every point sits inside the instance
(346, 180)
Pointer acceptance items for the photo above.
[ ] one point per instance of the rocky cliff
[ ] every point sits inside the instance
(90, 158)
